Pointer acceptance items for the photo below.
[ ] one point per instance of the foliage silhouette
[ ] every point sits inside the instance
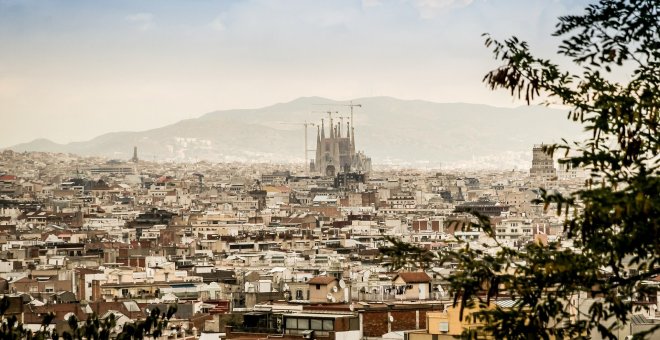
(613, 222)
(93, 328)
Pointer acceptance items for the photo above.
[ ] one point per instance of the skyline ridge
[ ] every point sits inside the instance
(435, 132)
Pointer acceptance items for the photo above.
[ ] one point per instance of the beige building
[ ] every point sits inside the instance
(324, 289)
(412, 286)
(446, 324)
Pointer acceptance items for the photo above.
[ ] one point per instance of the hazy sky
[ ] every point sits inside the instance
(71, 70)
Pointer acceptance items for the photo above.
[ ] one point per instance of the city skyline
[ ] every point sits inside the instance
(336, 170)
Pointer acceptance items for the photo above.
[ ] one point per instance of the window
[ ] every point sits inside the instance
(328, 325)
(318, 287)
(317, 324)
(303, 323)
(444, 326)
(325, 325)
(297, 323)
(354, 324)
(291, 323)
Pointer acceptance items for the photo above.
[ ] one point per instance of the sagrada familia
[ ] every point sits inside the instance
(336, 153)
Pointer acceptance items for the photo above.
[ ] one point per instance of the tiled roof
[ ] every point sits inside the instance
(414, 277)
(321, 280)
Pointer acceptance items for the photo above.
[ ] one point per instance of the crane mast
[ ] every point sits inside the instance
(305, 124)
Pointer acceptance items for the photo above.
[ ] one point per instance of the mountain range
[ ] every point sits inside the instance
(389, 130)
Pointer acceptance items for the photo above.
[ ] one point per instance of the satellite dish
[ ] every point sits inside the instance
(391, 318)
(329, 296)
(351, 307)
(342, 284)
(335, 289)
(333, 299)
(286, 287)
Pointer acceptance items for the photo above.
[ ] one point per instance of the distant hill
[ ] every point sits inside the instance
(409, 132)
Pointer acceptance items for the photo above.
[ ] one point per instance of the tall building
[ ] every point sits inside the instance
(542, 164)
(135, 160)
(135, 156)
(335, 152)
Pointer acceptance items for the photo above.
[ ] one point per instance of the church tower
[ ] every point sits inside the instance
(335, 152)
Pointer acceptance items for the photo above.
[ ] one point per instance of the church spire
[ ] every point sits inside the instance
(322, 129)
(353, 139)
(317, 159)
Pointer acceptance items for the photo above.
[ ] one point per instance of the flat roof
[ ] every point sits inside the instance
(320, 315)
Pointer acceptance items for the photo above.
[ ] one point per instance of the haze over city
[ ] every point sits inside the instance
(73, 70)
(330, 169)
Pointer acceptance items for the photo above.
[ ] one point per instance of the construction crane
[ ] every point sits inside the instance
(351, 105)
(329, 114)
(305, 124)
(341, 118)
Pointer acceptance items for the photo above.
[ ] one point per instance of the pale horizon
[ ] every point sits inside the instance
(72, 71)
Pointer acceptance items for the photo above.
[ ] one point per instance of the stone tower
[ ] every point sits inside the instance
(335, 153)
(135, 156)
(542, 164)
